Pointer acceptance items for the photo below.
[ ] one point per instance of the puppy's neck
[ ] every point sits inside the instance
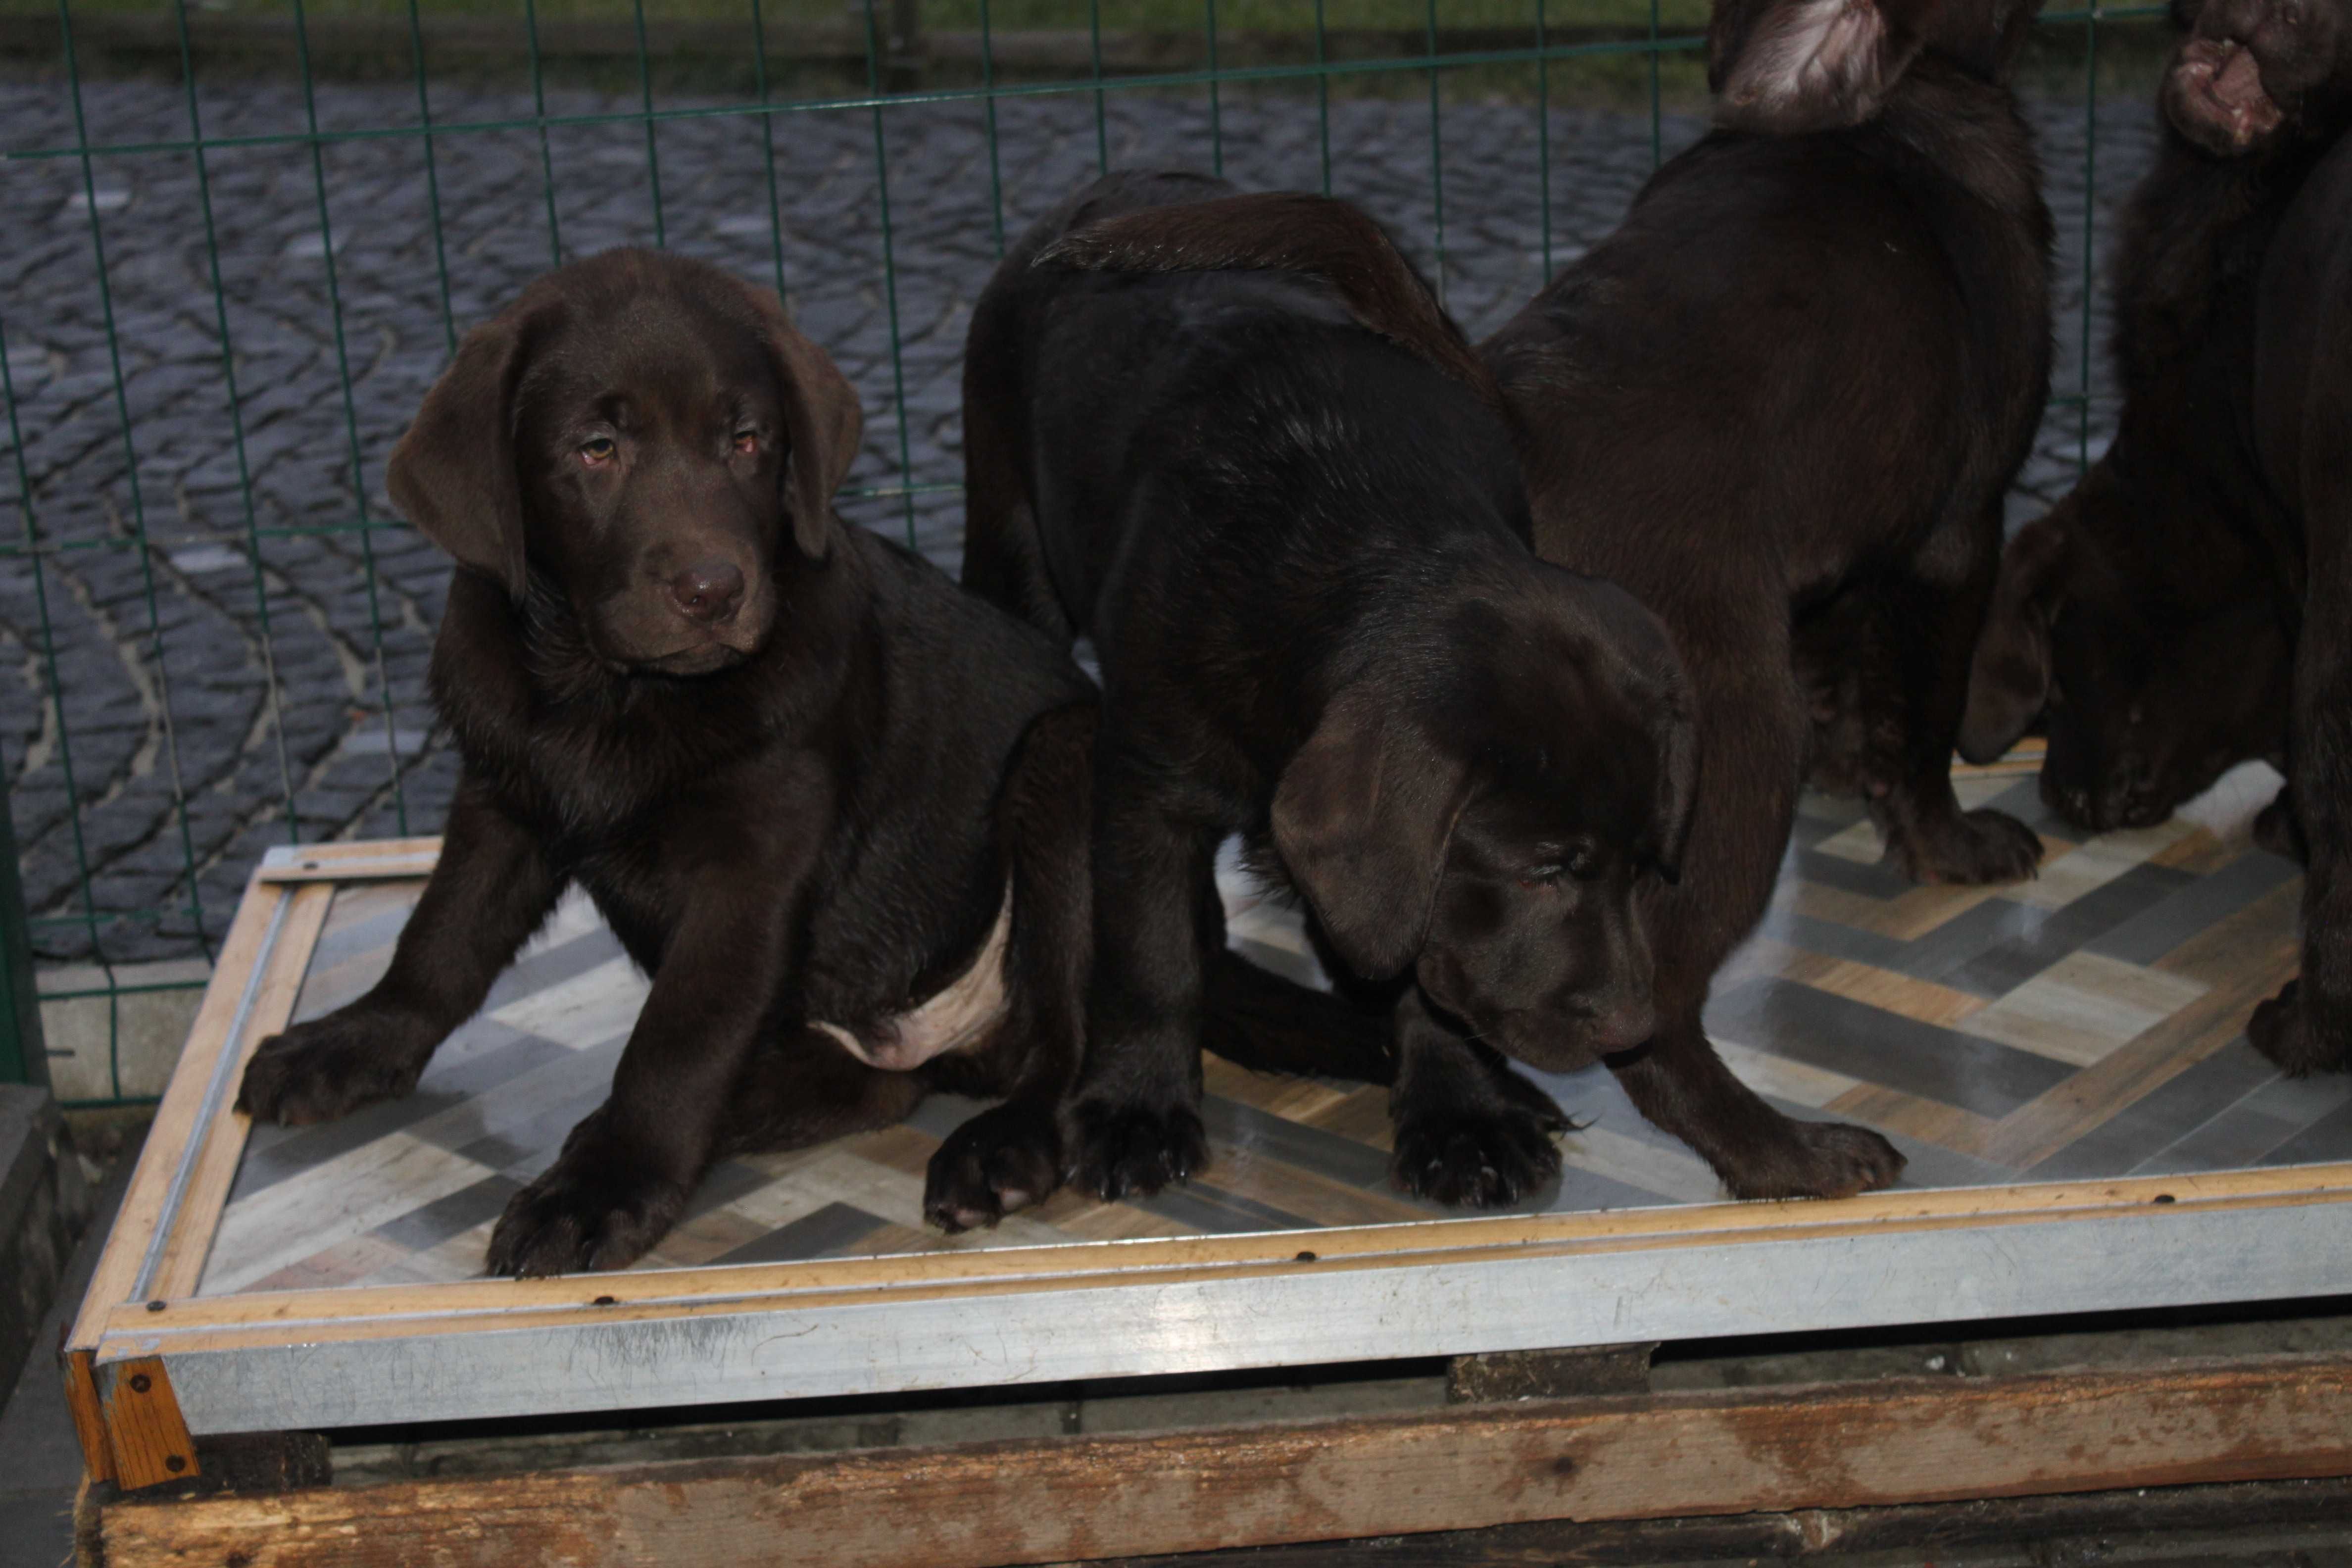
(563, 666)
(1969, 129)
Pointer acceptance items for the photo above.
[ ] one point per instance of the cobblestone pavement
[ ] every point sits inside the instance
(244, 656)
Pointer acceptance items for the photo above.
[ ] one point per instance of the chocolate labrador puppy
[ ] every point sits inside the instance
(1285, 506)
(1786, 396)
(837, 809)
(2186, 607)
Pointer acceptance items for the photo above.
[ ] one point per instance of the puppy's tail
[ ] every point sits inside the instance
(1287, 231)
(1258, 1020)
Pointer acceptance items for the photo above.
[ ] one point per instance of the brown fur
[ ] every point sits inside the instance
(1287, 231)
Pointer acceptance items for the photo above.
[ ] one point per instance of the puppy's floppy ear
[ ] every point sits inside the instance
(453, 474)
(821, 410)
(1789, 66)
(1624, 639)
(1677, 791)
(1361, 818)
(2008, 678)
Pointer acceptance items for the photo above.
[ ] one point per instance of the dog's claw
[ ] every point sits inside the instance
(1818, 1159)
(2284, 1029)
(1475, 1157)
(1116, 1150)
(1967, 850)
(593, 1209)
(333, 1066)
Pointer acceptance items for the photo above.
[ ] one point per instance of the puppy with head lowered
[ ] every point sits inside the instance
(1782, 403)
(835, 807)
(1283, 505)
(2187, 606)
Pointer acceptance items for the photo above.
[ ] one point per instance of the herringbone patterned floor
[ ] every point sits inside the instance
(2088, 1023)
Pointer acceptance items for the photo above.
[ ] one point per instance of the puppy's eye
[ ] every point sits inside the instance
(1543, 876)
(747, 442)
(598, 452)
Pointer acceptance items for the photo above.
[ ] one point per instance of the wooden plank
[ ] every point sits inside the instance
(1668, 1224)
(347, 1357)
(149, 1440)
(2239, 978)
(2066, 1527)
(175, 1125)
(363, 860)
(1891, 1110)
(88, 1415)
(207, 1191)
(1832, 1445)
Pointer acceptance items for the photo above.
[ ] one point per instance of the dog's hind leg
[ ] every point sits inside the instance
(1257, 1019)
(1004, 560)
(808, 1090)
(1135, 1120)
(1931, 628)
(1010, 1156)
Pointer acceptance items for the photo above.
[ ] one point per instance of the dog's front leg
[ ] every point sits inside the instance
(725, 979)
(1134, 1124)
(2307, 1027)
(1469, 1130)
(489, 892)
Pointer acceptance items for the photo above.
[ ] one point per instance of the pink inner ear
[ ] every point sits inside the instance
(1809, 65)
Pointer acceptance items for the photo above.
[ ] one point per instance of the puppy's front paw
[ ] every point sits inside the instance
(1481, 1156)
(2284, 1030)
(999, 1162)
(595, 1208)
(1117, 1148)
(330, 1066)
(1816, 1160)
(1967, 850)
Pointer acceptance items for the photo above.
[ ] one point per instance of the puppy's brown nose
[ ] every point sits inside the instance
(707, 590)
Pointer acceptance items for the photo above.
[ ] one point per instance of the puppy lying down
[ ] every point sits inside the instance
(836, 809)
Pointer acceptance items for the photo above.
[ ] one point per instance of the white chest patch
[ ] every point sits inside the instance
(956, 1019)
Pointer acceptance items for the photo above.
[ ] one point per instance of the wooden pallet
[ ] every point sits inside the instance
(2063, 1061)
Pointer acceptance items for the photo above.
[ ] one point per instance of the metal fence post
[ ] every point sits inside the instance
(24, 1057)
(906, 49)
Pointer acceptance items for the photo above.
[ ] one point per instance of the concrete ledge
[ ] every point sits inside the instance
(44, 1207)
(133, 1036)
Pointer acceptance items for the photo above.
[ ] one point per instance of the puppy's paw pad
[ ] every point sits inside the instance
(1822, 1159)
(999, 1162)
(2283, 1029)
(330, 1066)
(1476, 1158)
(1970, 850)
(1116, 1150)
(581, 1217)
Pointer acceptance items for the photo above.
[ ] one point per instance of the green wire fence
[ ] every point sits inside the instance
(242, 235)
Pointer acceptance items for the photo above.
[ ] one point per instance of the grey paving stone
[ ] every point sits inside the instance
(310, 404)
